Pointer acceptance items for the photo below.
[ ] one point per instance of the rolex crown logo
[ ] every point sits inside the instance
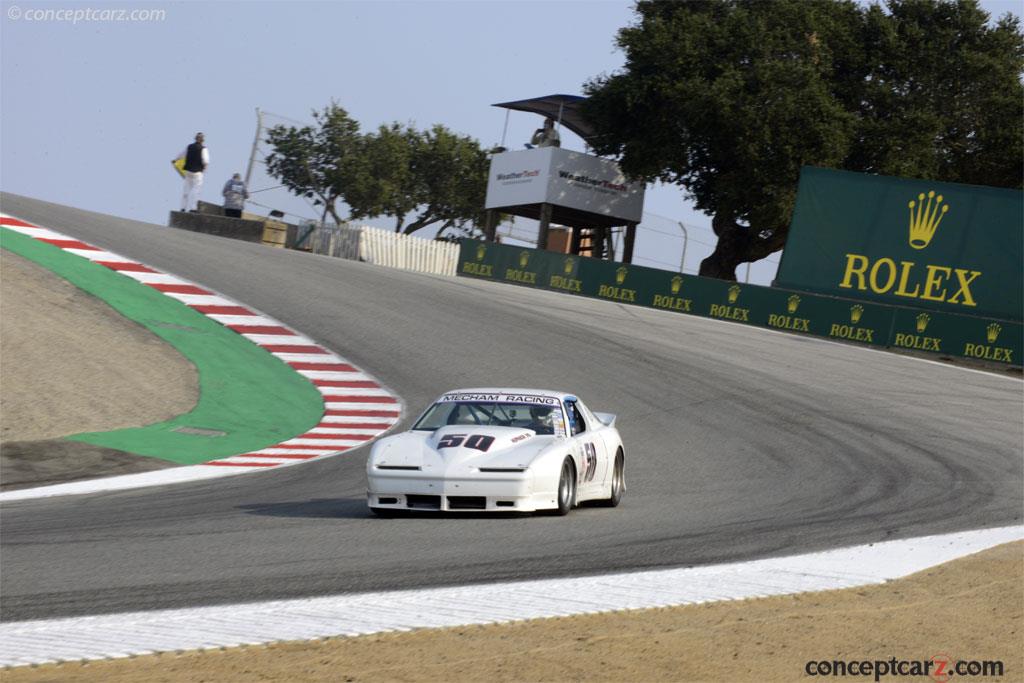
(925, 220)
(620, 275)
(677, 283)
(793, 303)
(993, 331)
(922, 322)
(524, 259)
(481, 251)
(734, 293)
(856, 311)
(570, 263)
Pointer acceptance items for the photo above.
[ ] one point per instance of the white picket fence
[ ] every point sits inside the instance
(385, 248)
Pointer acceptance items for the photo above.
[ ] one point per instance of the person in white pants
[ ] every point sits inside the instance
(197, 158)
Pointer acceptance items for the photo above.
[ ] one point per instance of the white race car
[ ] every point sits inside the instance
(499, 450)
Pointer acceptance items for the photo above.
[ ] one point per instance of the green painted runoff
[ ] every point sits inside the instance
(246, 393)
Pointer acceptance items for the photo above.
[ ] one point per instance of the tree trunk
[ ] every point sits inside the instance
(738, 244)
(334, 214)
(721, 264)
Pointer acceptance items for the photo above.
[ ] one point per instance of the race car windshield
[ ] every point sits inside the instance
(540, 418)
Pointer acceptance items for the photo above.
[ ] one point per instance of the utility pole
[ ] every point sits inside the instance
(255, 147)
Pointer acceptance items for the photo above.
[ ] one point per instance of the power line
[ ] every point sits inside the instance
(271, 208)
(672, 234)
(670, 266)
(289, 120)
(266, 189)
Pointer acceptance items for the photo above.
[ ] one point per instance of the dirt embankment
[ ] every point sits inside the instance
(71, 364)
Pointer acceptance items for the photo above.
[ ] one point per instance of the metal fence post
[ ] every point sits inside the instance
(686, 238)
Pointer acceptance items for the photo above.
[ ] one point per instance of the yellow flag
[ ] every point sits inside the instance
(179, 166)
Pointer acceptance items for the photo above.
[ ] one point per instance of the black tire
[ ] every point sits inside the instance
(618, 481)
(566, 488)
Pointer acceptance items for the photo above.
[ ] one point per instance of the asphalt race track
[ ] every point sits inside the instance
(741, 443)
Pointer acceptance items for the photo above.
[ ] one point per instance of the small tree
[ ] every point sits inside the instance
(451, 178)
(438, 177)
(384, 182)
(317, 162)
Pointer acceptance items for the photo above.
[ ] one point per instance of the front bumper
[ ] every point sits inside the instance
(490, 492)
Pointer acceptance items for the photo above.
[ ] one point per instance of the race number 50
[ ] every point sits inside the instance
(477, 442)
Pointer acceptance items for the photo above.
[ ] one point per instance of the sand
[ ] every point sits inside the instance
(69, 364)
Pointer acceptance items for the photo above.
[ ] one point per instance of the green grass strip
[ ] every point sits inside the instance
(255, 399)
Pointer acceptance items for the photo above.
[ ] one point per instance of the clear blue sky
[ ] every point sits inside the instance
(93, 111)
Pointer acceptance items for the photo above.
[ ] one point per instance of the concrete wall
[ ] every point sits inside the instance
(235, 228)
(210, 219)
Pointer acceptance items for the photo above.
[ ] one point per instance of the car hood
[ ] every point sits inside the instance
(506, 447)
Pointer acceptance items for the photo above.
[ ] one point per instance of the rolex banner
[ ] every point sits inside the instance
(914, 243)
(840, 319)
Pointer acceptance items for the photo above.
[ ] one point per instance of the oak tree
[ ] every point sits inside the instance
(317, 162)
(729, 98)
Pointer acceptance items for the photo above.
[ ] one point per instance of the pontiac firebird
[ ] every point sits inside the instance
(499, 450)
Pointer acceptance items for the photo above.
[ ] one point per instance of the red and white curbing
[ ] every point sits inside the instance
(357, 408)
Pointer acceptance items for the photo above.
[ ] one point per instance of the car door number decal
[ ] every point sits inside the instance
(589, 461)
(478, 442)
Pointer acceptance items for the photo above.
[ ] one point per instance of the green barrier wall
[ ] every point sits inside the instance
(825, 316)
(916, 243)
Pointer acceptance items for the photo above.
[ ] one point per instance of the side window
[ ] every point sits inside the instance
(576, 423)
(588, 415)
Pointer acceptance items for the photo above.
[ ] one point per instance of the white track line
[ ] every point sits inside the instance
(242, 462)
(124, 635)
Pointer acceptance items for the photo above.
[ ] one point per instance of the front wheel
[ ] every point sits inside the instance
(618, 482)
(566, 488)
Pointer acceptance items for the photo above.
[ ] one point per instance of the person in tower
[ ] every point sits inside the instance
(197, 158)
(546, 136)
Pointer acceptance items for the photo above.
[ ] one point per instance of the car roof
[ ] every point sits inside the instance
(560, 395)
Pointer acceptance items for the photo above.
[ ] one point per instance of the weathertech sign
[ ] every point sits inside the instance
(552, 175)
(517, 177)
(923, 244)
(595, 183)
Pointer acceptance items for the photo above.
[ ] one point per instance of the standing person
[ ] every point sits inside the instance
(235, 194)
(197, 158)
